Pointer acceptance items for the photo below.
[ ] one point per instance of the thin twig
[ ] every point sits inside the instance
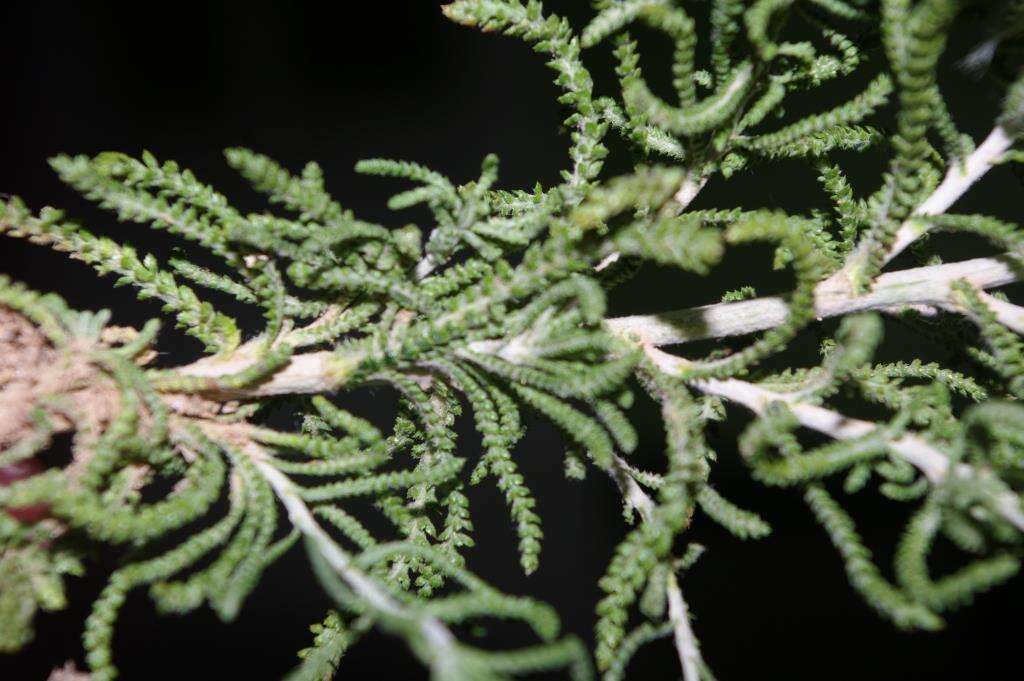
(684, 196)
(917, 451)
(929, 286)
(686, 641)
(441, 642)
(959, 178)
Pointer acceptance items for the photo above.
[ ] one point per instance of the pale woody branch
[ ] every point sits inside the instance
(1008, 314)
(324, 371)
(912, 287)
(687, 648)
(686, 641)
(308, 373)
(319, 372)
(917, 451)
(494, 307)
(440, 640)
(927, 286)
(834, 296)
(922, 287)
(684, 196)
(959, 178)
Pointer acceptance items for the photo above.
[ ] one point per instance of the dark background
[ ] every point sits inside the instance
(394, 79)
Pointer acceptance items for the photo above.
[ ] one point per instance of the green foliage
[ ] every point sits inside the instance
(208, 472)
(809, 266)
(835, 120)
(1006, 347)
(740, 522)
(678, 241)
(629, 569)
(553, 36)
(30, 579)
(851, 216)
(320, 661)
(214, 329)
(863, 574)
(914, 39)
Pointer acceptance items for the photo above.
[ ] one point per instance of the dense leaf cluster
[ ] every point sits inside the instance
(498, 308)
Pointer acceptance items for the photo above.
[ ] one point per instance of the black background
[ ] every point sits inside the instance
(394, 79)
